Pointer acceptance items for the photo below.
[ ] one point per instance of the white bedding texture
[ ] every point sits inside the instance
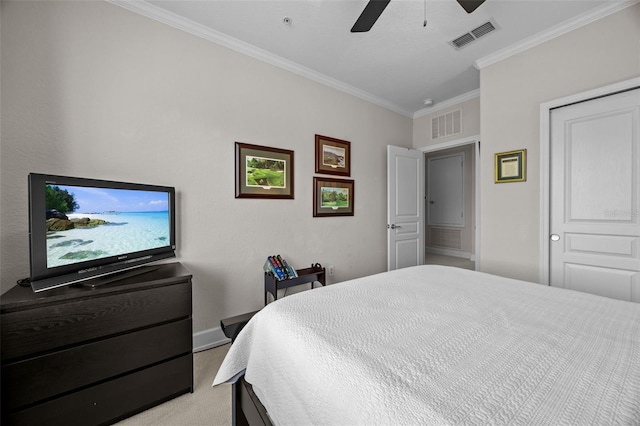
(435, 345)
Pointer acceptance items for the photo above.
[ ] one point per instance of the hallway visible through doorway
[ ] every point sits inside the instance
(439, 259)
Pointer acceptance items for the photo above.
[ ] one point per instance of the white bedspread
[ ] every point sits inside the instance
(432, 345)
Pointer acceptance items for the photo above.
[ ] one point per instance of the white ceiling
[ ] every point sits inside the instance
(400, 62)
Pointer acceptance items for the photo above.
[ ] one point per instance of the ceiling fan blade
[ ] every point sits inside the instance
(369, 15)
(470, 5)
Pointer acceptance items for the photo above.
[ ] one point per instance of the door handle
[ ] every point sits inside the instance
(555, 237)
(394, 226)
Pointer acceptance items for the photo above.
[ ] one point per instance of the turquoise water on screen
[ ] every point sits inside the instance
(125, 233)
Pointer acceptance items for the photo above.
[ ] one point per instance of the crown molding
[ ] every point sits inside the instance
(556, 31)
(448, 103)
(156, 13)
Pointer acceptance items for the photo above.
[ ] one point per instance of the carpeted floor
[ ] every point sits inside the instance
(207, 405)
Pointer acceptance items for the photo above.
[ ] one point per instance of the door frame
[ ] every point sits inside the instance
(545, 159)
(475, 141)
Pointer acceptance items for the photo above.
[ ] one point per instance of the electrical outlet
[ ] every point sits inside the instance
(331, 270)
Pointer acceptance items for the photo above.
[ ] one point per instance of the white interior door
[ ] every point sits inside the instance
(445, 191)
(405, 207)
(595, 196)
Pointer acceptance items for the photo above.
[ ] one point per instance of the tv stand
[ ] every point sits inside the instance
(90, 356)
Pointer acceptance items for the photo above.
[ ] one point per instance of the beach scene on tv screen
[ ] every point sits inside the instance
(87, 223)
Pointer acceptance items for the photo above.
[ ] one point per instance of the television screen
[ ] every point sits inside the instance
(81, 228)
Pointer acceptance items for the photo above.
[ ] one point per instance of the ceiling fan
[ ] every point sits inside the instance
(374, 8)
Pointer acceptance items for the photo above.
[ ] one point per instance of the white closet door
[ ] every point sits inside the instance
(595, 196)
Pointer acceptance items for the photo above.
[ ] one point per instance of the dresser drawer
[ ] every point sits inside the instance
(37, 379)
(113, 400)
(45, 328)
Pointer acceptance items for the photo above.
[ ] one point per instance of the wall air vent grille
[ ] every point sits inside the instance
(448, 124)
(473, 35)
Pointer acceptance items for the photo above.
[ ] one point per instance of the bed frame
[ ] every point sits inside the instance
(246, 408)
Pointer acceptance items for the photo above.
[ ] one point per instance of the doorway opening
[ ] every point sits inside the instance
(451, 203)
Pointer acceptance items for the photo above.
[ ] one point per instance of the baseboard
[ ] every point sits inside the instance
(445, 252)
(207, 339)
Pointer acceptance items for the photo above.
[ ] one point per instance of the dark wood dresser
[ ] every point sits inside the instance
(87, 355)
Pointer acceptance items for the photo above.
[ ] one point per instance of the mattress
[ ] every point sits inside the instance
(435, 345)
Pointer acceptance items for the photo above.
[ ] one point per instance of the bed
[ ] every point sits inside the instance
(436, 345)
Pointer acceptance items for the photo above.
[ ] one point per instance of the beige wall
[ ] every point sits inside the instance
(90, 89)
(601, 53)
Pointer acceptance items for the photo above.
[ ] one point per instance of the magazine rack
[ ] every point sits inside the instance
(316, 273)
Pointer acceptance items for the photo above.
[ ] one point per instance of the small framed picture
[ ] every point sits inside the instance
(332, 197)
(511, 166)
(333, 156)
(263, 172)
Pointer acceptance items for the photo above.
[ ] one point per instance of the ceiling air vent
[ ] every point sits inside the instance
(474, 34)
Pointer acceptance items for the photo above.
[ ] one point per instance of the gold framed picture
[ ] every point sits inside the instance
(511, 166)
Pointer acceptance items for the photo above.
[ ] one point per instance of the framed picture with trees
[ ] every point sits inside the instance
(332, 197)
(263, 172)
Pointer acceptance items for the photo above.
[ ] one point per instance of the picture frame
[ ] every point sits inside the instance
(263, 172)
(511, 166)
(333, 156)
(332, 197)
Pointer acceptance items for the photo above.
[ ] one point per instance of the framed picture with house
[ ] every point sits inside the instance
(333, 156)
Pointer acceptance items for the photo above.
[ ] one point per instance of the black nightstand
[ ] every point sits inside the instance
(316, 273)
(231, 326)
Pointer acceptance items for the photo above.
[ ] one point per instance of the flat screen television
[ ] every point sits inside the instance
(85, 228)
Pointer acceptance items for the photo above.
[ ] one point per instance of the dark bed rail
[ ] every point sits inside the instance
(246, 408)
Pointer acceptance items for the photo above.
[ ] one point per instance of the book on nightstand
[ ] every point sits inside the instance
(289, 271)
(279, 268)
